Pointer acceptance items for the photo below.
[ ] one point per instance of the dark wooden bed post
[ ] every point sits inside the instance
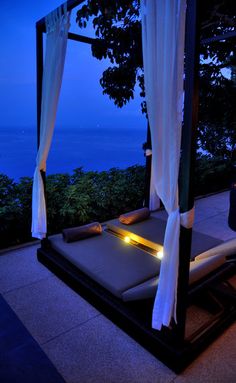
(39, 68)
(148, 166)
(188, 151)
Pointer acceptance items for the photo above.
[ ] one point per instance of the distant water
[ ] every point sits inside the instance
(93, 149)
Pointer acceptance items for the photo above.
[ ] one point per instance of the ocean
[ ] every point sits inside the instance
(90, 148)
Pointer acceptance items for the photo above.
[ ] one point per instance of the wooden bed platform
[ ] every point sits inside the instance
(103, 268)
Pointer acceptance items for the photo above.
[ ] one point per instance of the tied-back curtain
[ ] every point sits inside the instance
(163, 30)
(57, 26)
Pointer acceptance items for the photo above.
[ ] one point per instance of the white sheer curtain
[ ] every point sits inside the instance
(163, 30)
(57, 26)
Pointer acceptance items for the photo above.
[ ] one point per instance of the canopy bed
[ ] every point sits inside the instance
(121, 277)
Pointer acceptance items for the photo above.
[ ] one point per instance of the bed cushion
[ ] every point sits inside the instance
(198, 269)
(134, 216)
(74, 234)
(109, 261)
(151, 234)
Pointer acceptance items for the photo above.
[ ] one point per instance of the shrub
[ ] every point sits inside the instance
(213, 174)
(10, 212)
(88, 196)
(71, 200)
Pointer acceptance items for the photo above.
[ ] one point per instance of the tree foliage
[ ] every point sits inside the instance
(118, 30)
(217, 117)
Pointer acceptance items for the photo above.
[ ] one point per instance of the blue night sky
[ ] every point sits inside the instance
(81, 94)
(85, 118)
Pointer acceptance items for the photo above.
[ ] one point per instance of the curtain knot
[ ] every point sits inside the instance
(187, 218)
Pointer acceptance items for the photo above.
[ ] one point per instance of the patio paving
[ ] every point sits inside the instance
(83, 345)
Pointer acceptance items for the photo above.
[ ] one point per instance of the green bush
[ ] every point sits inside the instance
(98, 196)
(71, 200)
(15, 211)
(213, 174)
(88, 196)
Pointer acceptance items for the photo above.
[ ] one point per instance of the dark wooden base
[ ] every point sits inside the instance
(135, 317)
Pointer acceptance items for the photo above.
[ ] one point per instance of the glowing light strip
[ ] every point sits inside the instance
(159, 254)
(127, 239)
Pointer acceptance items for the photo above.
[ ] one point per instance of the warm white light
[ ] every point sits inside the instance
(160, 254)
(127, 239)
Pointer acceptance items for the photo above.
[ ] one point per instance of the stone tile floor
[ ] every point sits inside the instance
(86, 347)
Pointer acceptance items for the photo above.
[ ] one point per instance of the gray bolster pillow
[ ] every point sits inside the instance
(134, 216)
(76, 233)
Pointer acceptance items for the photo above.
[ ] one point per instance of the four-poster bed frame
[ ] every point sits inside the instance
(168, 345)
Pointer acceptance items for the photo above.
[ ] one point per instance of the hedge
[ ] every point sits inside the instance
(88, 196)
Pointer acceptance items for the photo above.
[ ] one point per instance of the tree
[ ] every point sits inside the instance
(117, 27)
(217, 118)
